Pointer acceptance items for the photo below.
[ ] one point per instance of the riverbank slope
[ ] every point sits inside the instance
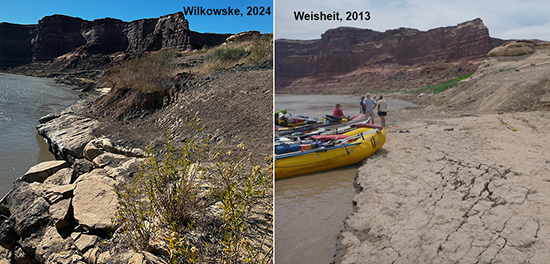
(62, 211)
(462, 178)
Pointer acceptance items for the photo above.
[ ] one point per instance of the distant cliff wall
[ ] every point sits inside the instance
(79, 39)
(351, 59)
(15, 45)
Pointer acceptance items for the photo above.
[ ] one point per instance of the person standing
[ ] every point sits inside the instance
(382, 110)
(362, 105)
(369, 105)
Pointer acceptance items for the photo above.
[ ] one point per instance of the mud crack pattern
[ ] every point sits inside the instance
(435, 196)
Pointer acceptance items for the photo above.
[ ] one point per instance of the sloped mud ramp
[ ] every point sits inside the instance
(454, 189)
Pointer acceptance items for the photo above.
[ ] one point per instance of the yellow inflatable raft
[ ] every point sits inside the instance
(364, 142)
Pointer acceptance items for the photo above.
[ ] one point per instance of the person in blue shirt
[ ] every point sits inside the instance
(369, 104)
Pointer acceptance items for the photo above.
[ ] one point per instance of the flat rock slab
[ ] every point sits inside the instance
(68, 135)
(58, 193)
(41, 171)
(95, 202)
(61, 177)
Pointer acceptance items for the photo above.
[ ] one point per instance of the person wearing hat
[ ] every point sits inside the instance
(338, 112)
(369, 105)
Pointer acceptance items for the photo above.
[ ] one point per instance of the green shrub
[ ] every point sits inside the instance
(227, 54)
(262, 49)
(438, 88)
(169, 197)
(254, 52)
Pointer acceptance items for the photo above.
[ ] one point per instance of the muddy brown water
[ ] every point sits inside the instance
(310, 209)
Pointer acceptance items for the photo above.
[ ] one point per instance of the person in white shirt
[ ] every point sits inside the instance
(382, 110)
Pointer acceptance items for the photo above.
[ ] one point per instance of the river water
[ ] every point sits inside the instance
(310, 209)
(23, 100)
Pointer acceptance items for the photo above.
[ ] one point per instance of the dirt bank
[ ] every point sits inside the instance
(465, 177)
(235, 105)
(454, 188)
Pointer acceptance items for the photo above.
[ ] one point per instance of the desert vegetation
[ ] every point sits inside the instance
(143, 82)
(193, 212)
(179, 206)
(440, 87)
(257, 51)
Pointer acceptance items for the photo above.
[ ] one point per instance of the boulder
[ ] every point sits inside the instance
(243, 36)
(85, 242)
(101, 145)
(21, 257)
(91, 255)
(91, 151)
(29, 216)
(28, 208)
(61, 177)
(81, 166)
(66, 258)
(125, 170)
(513, 48)
(43, 170)
(61, 213)
(109, 159)
(51, 244)
(103, 257)
(94, 202)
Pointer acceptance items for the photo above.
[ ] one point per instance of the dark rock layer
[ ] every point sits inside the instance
(15, 44)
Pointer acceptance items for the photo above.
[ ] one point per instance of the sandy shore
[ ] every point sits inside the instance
(454, 188)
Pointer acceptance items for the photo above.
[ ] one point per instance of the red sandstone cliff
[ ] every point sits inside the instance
(347, 60)
(61, 42)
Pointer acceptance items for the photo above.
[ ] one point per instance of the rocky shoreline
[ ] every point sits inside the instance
(60, 211)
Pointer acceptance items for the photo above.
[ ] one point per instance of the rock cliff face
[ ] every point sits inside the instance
(347, 59)
(69, 41)
(56, 35)
(15, 45)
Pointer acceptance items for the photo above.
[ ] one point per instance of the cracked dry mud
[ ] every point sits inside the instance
(454, 190)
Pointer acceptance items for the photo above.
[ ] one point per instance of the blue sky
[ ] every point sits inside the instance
(505, 19)
(30, 11)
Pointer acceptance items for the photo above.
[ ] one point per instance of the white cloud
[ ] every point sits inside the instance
(506, 19)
